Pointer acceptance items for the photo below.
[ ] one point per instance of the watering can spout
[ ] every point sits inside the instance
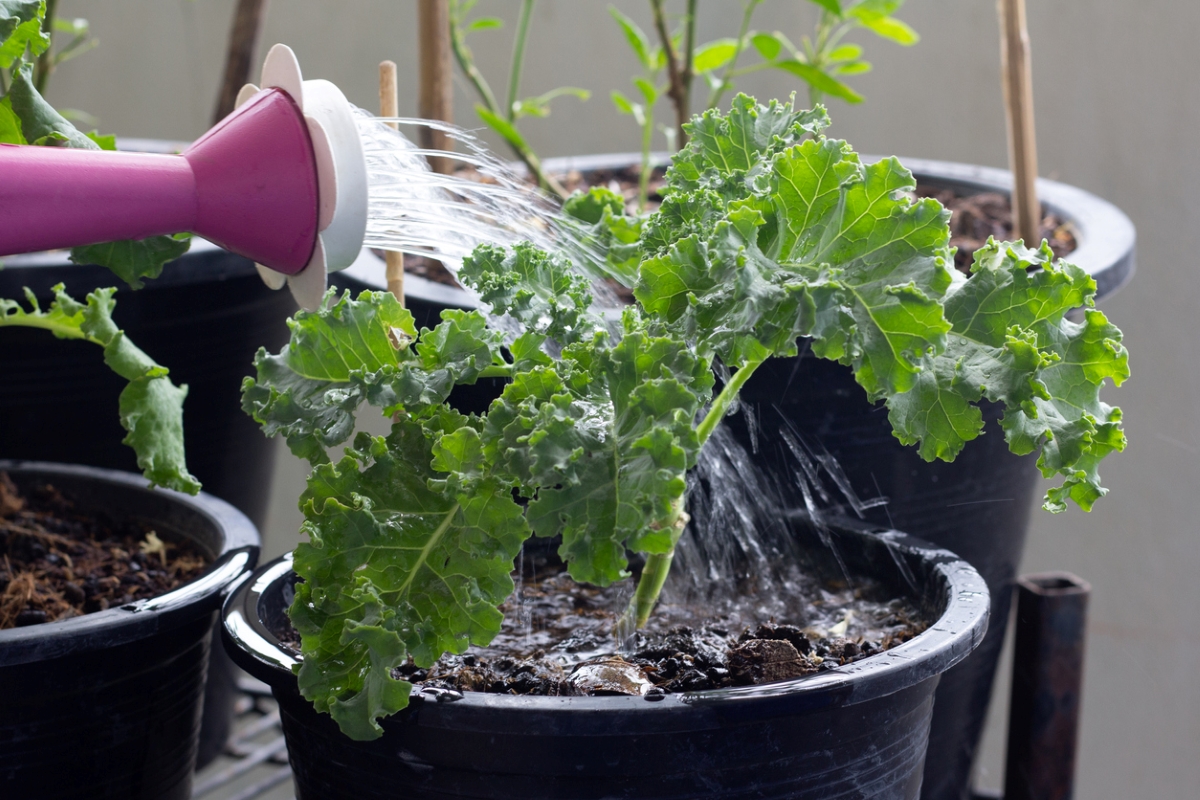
(281, 180)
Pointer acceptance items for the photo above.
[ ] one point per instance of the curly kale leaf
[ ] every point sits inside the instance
(401, 563)
(602, 225)
(765, 236)
(1011, 342)
(356, 350)
(601, 442)
(540, 291)
(151, 406)
(816, 245)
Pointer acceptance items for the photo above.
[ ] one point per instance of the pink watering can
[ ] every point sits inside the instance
(281, 180)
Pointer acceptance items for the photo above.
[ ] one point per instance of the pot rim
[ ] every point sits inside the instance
(141, 618)
(947, 641)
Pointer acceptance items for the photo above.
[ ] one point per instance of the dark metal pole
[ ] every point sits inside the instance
(1043, 721)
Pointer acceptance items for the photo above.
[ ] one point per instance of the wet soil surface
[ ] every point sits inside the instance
(973, 218)
(58, 561)
(558, 640)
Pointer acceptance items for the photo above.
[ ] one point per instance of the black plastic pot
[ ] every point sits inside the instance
(979, 506)
(107, 705)
(203, 319)
(857, 731)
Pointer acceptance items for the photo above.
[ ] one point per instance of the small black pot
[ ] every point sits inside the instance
(107, 705)
(856, 731)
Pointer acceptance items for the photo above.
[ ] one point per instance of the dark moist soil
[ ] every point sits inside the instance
(557, 639)
(973, 218)
(58, 561)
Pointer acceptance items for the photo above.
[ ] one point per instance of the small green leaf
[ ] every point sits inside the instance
(853, 68)
(501, 126)
(10, 125)
(649, 92)
(485, 23)
(845, 52)
(714, 55)
(638, 41)
(768, 45)
(103, 141)
(134, 259)
(623, 104)
(821, 81)
(832, 6)
(883, 25)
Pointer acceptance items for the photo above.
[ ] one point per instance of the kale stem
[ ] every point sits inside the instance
(653, 577)
(722, 402)
(496, 371)
(658, 565)
(723, 86)
(518, 58)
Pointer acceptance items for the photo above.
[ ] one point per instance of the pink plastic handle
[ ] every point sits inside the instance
(249, 184)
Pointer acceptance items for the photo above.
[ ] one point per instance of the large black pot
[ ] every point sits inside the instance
(857, 731)
(107, 705)
(978, 507)
(203, 319)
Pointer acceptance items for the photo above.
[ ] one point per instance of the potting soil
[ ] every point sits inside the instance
(58, 561)
(557, 640)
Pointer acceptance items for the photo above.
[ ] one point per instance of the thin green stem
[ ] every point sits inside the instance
(46, 323)
(723, 86)
(722, 402)
(45, 62)
(497, 371)
(466, 62)
(647, 167)
(518, 58)
(658, 565)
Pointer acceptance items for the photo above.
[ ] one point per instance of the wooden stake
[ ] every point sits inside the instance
(436, 99)
(389, 106)
(243, 39)
(1017, 79)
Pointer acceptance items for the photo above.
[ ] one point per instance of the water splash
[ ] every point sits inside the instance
(413, 210)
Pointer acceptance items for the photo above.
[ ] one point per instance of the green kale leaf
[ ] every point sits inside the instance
(400, 563)
(21, 30)
(151, 406)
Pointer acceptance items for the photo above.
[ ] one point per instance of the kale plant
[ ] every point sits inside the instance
(768, 232)
(151, 406)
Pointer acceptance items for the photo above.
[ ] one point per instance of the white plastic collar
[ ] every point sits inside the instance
(341, 175)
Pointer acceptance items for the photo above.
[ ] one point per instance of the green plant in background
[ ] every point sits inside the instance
(821, 61)
(503, 119)
(151, 406)
(768, 231)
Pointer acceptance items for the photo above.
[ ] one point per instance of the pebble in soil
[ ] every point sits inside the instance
(58, 561)
(558, 640)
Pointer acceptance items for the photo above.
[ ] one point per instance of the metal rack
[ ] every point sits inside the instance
(254, 765)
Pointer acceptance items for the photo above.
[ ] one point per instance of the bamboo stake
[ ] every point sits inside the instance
(243, 39)
(389, 106)
(1017, 79)
(436, 100)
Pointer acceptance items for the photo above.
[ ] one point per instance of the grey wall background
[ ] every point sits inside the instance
(1117, 112)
